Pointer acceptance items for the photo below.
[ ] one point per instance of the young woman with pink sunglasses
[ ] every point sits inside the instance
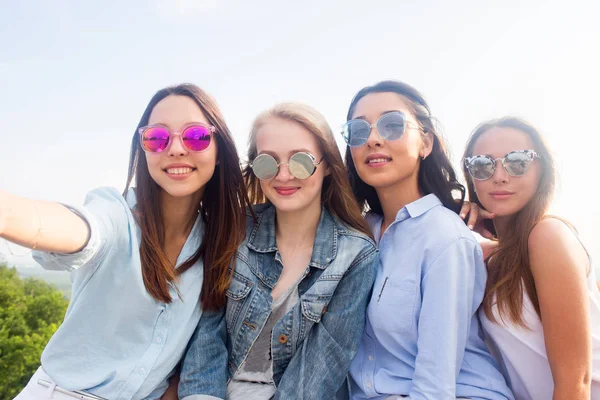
(541, 309)
(149, 267)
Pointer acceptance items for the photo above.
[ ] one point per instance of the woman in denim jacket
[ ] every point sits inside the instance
(296, 304)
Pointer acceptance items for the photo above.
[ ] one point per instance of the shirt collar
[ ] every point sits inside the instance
(421, 206)
(262, 238)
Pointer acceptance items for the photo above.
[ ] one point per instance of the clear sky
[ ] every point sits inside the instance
(76, 76)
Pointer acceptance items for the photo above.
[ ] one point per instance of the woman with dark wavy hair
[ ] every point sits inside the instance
(421, 338)
(541, 310)
(149, 267)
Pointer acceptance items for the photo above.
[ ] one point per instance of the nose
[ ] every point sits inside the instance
(375, 139)
(176, 147)
(283, 175)
(500, 174)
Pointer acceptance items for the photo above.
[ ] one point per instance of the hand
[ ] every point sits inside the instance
(476, 217)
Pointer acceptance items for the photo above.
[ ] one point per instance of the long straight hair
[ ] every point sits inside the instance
(509, 269)
(336, 193)
(436, 174)
(221, 209)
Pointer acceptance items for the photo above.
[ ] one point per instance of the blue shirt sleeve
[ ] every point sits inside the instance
(448, 287)
(106, 213)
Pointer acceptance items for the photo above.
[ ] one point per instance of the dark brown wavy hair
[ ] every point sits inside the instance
(336, 192)
(221, 209)
(508, 265)
(436, 174)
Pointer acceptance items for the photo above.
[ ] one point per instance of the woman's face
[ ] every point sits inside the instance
(504, 194)
(178, 171)
(281, 139)
(386, 163)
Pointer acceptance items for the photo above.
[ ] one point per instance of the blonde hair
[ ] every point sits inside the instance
(336, 194)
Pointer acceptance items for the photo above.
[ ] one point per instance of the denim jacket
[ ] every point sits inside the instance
(314, 343)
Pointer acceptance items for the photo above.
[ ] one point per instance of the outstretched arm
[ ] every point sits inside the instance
(41, 225)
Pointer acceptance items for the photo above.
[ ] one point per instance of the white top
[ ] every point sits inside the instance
(522, 353)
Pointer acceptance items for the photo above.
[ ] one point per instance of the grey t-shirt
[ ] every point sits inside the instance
(254, 379)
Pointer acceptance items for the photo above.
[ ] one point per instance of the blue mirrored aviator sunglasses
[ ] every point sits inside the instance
(391, 126)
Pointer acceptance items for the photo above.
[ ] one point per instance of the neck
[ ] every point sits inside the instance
(179, 213)
(500, 224)
(394, 198)
(298, 228)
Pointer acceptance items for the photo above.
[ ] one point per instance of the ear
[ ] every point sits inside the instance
(427, 145)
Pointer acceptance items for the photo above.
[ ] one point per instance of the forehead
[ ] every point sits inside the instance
(176, 111)
(497, 142)
(373, 105)
(281, 137)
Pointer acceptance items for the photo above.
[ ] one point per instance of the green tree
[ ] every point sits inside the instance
(30, 312)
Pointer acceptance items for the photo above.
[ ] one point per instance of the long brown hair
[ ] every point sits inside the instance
(221, 209)
(436, 174)
(336, 193)
(508, 265)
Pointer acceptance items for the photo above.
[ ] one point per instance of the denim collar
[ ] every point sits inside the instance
(262, 238)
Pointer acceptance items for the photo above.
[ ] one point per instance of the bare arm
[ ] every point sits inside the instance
(46, 226)
(560, 265)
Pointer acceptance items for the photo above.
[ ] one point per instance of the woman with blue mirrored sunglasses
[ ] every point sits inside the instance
(391, 126)
(421, 336)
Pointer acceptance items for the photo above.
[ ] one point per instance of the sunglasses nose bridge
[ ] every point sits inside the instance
(176, 146)
(283, 172)
(374, 137)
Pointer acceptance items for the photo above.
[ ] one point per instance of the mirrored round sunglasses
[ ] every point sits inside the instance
(301, 165)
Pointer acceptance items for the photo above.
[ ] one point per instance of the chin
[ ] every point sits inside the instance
(502, 210)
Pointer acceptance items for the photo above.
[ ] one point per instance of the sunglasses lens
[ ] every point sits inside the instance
(301, 166)
(265, 167)
(356, 132)
(196, 138)
(481, 168)
(155, 139)
(391, 126)
(517, 163)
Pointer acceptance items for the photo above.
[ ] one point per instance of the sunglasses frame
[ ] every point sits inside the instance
(371, 126)
(312, 158)
(530, 153)
(211, 129)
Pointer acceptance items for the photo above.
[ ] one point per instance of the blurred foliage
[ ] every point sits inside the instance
(30, 312)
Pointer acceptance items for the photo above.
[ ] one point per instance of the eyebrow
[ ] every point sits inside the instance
(380, 115)
(290, 153)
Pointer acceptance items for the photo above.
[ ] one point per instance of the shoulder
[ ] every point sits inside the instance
(553, 244)
(353, 237)
(443, 228)
(107, 203)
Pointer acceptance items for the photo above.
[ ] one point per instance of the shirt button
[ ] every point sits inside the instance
(369, 385)
(370, 358)
(142, 370)
(158, 339)
(283, 339)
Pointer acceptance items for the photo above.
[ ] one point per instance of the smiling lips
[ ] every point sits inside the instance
(179, 171)
(377, 160)
(286, 190)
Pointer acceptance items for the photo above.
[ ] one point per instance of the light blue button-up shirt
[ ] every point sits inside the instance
(422, 336)
(116, 341)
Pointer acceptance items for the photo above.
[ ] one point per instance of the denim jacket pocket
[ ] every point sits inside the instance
(238, 290)
(314, 306)
(392, 306)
